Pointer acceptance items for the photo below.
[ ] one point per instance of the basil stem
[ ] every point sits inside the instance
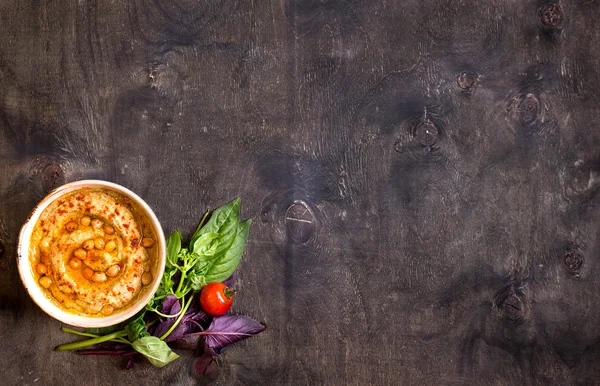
(91, 342)
(156, 311)
(71, 331)
(80, 333)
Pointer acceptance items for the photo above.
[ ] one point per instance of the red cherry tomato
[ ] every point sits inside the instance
(216, 298)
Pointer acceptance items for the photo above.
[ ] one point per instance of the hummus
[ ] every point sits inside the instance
(92, 252)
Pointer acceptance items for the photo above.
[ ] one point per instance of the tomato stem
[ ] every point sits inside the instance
(229, 292)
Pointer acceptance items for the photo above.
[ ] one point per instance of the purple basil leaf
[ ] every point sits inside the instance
(179, 331)
(169, 307)
(205, 366)
(230, 281)
(228, 329)
(184, 327)
(168, 303)
(201, 317)
(196, 313)
(192, 321)
(113, 346)
(163, 327)
(189, 342)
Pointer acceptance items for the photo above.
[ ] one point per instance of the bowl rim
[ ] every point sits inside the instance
(26, 271)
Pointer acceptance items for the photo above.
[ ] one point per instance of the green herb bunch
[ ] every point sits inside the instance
(213, 254)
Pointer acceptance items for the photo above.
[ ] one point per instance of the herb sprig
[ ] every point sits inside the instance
(174, 314)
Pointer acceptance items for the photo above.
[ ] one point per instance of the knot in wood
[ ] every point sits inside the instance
(580, 178)
(53, 176)
(399, 146)
(573, 260)
(513, 308)
(529, 109)
(511, 305)
(427, 134)
(466, 80)
(550, 16)
(300, 222)
(2, 249)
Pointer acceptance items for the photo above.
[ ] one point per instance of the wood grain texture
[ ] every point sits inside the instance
(423, 176)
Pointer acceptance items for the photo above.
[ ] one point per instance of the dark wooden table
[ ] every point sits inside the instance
(423, 176)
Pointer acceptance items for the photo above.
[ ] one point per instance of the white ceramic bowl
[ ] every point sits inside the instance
(30, 281)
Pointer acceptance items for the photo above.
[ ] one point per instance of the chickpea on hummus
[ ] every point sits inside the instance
(90, 254)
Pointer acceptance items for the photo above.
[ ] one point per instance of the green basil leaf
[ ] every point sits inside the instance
(166, 283)
(206, 244)
(156, 350)
(200, 225)
(173, 248)
(136, 327)
(223, 266)
(197, 280)
(224, 221)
